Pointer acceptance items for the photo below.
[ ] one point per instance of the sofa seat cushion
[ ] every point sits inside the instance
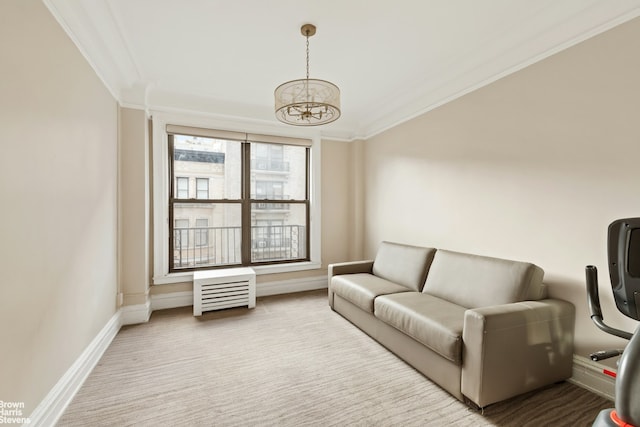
(434, 322)
(362, 288)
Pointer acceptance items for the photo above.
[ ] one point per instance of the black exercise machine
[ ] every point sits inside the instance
(623, 244)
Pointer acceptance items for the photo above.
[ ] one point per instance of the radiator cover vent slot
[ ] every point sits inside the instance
(225, 288)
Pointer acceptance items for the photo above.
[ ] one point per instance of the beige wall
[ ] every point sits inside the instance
(533, 167)
(134, 203)
(58, 178)
(339, 163)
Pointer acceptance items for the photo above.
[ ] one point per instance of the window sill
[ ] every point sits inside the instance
(260, 270)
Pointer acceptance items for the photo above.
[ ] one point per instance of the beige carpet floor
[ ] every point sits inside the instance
(291, 361)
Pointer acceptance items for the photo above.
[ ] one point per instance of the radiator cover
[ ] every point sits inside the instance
(224, 288)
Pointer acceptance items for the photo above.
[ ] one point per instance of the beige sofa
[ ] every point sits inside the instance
(482, 328)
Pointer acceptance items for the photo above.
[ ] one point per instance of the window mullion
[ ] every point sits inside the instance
(246, 203)
(170, 224)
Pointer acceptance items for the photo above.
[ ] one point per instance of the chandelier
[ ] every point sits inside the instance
(307, 102)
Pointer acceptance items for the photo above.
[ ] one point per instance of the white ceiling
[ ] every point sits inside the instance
(392, 60)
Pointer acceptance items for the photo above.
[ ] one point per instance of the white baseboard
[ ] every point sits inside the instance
(590, 375)
(171, 300)
(185, 298)
(56, 401)
(291, 286)
(134, 314)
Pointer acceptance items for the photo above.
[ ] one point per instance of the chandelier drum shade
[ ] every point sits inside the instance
(307, 102)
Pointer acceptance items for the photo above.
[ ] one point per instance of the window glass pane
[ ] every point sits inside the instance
(278, 231)
(206, 234)
(216, 162)
(278, 172)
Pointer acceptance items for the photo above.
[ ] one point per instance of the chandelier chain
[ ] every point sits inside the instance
(307, 55)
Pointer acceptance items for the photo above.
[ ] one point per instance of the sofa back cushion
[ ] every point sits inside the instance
(403, 264)
(475, 281)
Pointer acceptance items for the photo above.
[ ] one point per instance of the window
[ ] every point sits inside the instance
(269, 157)
(270, 190)
(182, 187)
(252, 204)
(202, 231)
(202, 188)
(270, 238)
(182, 235)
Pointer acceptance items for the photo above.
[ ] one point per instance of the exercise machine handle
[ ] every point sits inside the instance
(594, 304)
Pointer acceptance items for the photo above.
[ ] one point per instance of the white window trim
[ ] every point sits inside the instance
(161, 273)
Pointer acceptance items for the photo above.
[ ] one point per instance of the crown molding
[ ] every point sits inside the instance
(96, 31)
(433, 93)
(93, 29)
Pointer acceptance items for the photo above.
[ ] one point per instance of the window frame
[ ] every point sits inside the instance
(246, 202)
(160, 173)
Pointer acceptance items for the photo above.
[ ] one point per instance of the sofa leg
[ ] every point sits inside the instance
(472, 405)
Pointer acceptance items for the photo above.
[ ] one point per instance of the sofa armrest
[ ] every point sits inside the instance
(513, 348)
(352, 267)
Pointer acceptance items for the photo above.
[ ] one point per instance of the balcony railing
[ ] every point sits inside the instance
(271, 205)
(219, 246)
